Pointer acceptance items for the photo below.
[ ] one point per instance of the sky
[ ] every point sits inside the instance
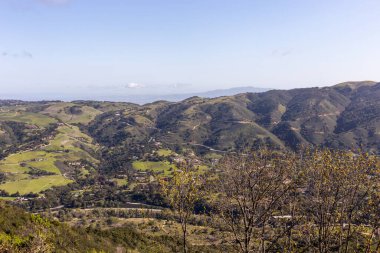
(93, 47)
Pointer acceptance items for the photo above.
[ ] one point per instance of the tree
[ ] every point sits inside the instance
(338, 188)
(182, 191)
(372, 212)
(249, 191)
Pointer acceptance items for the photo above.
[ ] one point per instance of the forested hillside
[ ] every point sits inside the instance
(52, 143)
(343, 116)
(108, 173)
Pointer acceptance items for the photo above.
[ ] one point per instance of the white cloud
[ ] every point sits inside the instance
(135, 85)
(282, 52)
(27, 54)
(23, 54)
(181, 85)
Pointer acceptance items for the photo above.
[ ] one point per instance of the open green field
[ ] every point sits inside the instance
(36, 159)
(212, 155)
(66, 146)
(59, 111)
(18, 165)
(36, 185)
(201, 168)
(8, 198)
(27, 117)
(163, 168)
(68, 141)
(164, 152)
(14, 168)
(120, 181)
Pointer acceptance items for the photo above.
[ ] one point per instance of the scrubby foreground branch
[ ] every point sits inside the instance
(315, 201)
(182, 191)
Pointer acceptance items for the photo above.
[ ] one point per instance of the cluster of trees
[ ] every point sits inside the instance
(19, 137)
(2, 177)
(101, 193)
(35, 172)
(21, 232)
(269, 201)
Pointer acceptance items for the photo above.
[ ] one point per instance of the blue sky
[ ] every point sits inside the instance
(175, 46)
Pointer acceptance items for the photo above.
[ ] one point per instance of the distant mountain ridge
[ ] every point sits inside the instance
(218, 93)
(144, 99)
(345, 115)
(126, 95)
(342, 116)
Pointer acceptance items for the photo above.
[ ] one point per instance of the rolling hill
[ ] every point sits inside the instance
(94, 165)
(53, 143)
(343, 116)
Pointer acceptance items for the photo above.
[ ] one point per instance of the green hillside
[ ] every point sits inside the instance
(52, 143)
(23, 232)
(342, 116)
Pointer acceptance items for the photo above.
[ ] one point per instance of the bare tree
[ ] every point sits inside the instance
(371, 209)
(182, 191)
(253, 188)
(338, 186)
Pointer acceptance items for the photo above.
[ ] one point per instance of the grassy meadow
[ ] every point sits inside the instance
(68, 144)
(60, 112)
(162, 168)
(39, 120)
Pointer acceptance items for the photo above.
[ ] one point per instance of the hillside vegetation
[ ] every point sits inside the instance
(113, 174)
(342, 116)
(52, 143)
(21, 232)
